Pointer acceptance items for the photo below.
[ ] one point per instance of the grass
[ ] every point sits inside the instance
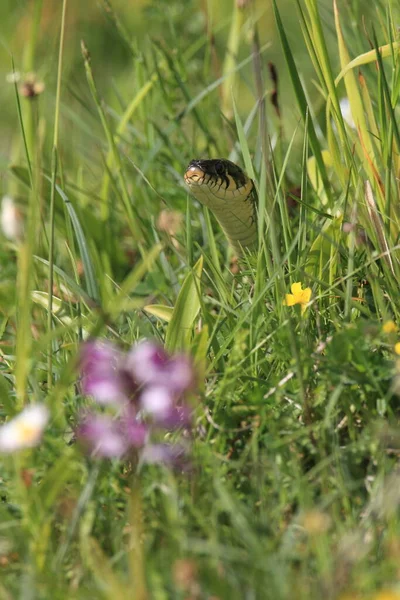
(293, 491)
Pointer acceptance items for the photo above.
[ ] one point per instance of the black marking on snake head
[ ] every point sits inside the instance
(220, 168)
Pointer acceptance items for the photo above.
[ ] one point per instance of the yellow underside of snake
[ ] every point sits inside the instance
(226, 190)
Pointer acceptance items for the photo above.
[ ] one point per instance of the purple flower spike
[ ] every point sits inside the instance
(101, 374)
(179, 374)
(177, 417)
(136, 432)
(150, 365)
(147, 389)
(103, 436)
(156, 401)
(146, 361)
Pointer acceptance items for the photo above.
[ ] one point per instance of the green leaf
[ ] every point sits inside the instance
(201, 343)
(185, 311)
(322, 257)
(160, 311)
(314, 174)
(88, 267)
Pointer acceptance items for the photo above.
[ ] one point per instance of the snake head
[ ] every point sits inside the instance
(213, 180)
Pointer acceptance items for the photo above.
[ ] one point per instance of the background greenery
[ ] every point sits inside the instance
(293, 492)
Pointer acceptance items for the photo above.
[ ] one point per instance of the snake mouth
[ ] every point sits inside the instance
(218, 178)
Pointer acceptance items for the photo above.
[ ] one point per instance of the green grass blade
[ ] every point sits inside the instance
(185, 311)
(91, 282)
(301, 100)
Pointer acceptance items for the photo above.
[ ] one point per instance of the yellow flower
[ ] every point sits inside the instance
(298, 296)
(397, 348)
(389, 327)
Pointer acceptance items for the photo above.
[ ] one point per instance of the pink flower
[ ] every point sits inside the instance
(110, 437)
(102, 435)
(100, 366)
(151, 365)
(157, 401)
(112, 377)
(146, 361)
(147, 386)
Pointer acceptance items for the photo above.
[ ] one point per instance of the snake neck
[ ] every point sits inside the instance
(239, 223)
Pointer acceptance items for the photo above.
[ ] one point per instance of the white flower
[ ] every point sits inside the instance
(25, 430)
(10, 219)
(13, 77)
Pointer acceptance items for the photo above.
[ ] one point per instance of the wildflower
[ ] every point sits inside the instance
(112, 377)
(10, 219)
(151, 365)
(389, 327)
(13, 77)
(146, 386)
(25, 430)
(101, 376)
(109, 437)
(156, 400)
(30, 86)
(102, 435)
(298, 296)
(397, 348)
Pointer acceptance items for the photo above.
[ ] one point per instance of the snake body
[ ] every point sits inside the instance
(230, 194)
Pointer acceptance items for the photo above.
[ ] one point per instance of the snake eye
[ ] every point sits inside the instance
(219, 168)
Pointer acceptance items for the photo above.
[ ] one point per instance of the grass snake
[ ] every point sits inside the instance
(230, 194)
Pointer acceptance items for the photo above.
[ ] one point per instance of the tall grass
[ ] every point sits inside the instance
(293, 489)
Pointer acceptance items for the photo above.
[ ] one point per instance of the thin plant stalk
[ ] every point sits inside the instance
(29, 67)
(54, 160)
(24, 286)
(230, 61)
(136, 556)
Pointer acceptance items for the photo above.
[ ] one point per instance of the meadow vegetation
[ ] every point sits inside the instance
(290, 487)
